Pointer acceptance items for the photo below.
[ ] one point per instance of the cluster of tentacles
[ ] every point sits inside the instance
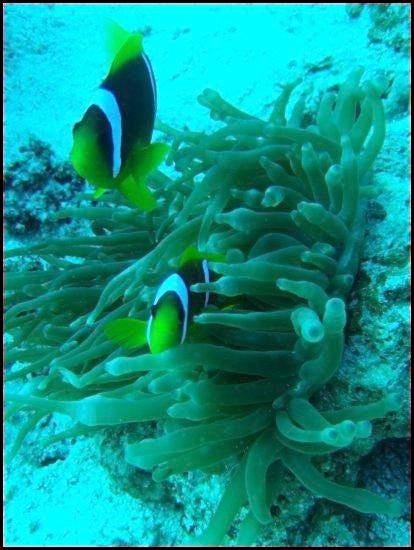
(282, 203)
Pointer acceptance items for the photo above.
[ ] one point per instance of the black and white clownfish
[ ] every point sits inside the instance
(172, 309)
(112, 146)
(175, 305)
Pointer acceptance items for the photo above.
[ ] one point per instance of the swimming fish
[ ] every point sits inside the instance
(175, 305)
(112, 146)
(171, 312)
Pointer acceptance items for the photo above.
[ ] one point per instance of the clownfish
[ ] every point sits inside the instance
(174, 306)
(172, 309)
(112, 146)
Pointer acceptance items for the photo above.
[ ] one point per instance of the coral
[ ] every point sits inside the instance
(389, 25)
(282, 200)
(36, 185)
(354, 10)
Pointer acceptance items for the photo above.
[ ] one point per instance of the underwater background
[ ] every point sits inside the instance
(81, 491)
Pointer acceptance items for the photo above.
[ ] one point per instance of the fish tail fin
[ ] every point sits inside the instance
(143, 161)
(128, 333)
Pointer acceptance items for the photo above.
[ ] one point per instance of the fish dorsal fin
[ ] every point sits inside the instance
(122, 45)
(192, 253)
(115, 36)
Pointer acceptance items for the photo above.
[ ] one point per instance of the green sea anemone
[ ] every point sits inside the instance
(281, 201)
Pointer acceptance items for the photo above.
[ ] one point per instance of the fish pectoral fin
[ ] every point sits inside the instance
(87, 157)
(146, 159)
(229, 307)
(128, 333)
(142, 162)
(99, 192)
(137, 193)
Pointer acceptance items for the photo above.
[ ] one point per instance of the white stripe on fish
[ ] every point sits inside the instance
(106, 101)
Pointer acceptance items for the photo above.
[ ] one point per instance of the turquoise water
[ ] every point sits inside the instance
(81, 491)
